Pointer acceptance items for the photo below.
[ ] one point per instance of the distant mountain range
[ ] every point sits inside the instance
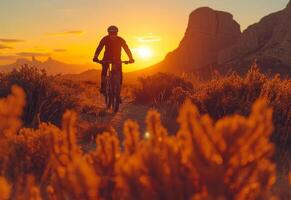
(50, 65)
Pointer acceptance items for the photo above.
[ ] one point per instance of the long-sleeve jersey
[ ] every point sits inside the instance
(113, 47)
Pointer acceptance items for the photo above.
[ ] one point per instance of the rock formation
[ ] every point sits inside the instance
(207, 33)
(213, 40)
(267, 42)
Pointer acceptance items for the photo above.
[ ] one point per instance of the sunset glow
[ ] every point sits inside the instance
(144, 52)
(70, 30)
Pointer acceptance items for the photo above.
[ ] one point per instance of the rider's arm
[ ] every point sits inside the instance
(127, 50)
(99, 49)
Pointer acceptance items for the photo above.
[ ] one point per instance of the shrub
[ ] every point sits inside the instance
(29, 152)
(157, 89)
(232, 94)
(46, 101)
(227, 159)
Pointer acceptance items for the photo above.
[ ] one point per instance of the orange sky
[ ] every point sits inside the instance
(69, 30)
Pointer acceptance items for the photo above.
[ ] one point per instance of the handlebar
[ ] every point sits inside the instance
(113, 62)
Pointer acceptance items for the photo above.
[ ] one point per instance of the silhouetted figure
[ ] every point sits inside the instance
(113, 45)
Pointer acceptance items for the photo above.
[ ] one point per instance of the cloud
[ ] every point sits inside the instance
(65, 33)
(10, 40)
(5, 47)
(149, 38)
(60, 50)
(8, 57)
(30, 54)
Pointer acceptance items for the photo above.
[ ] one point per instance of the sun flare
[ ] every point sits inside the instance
(144, 52)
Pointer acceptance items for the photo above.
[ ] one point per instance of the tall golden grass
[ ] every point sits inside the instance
(223, 96)
(226, 159)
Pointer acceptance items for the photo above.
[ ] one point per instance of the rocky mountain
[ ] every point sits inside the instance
(208, 32)
(51, 66)
(268, 43)
(213, 40)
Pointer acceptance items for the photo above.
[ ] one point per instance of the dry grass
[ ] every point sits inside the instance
(158, 88)
(47, 97)
(228, 95)
(224, 147)
(227, 159)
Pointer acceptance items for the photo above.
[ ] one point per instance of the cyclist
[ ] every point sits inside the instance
(113, 45)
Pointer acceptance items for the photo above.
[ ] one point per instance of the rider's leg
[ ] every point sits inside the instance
(121, 79)
(105, 67)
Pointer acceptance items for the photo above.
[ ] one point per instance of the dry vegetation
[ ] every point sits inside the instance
(229, 159)
(158, 88)
(212, 156)
(47, 97)
(227, 95)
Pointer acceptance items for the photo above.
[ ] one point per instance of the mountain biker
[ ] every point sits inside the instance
(113, 45)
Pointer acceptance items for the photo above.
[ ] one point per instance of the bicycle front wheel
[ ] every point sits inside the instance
(107, 94)
(116, 94)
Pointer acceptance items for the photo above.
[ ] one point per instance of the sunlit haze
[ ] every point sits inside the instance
(70, 30)
(143, 52)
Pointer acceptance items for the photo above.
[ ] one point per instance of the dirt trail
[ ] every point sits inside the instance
(128, 110)
(97, 114)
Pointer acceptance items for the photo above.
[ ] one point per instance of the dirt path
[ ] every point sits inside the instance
(96, 112)
(93, 113)
(128, 110)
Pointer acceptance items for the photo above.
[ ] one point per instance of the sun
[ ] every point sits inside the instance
(144, 52)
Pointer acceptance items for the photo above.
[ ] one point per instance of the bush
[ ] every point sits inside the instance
(29, 152)
(227, 159)
(46, 101)
(234, 94)
(231, 94)
(157, 89)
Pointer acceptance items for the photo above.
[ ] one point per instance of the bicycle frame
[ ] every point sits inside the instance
(113, 84)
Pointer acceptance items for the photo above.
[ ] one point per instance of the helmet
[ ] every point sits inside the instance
(112, 29)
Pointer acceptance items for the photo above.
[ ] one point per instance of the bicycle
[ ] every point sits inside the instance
(113, 84)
